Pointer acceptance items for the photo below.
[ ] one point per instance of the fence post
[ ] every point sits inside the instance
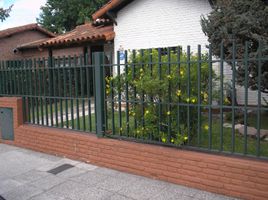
(98, 60)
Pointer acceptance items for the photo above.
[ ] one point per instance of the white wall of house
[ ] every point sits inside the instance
(161, 23)
(145, 24)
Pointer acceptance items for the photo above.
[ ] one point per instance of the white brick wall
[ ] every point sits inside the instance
(161, 23)
(145, 24)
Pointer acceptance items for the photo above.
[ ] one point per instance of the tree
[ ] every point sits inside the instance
(60, 16)
(234, 23)
(4, 13)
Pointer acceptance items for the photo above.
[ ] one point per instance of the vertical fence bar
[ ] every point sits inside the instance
(246, 99)
(29, 89)
(179, 91)
(76, 68)
(119, 92)
(65, 68)
(98, 59)
(50, 88)
(127, 94)
(199, 94)
(135, 89)
(210, 97)
(259, 99)
(142, 95)
(159, 101)
(60, 87)
(89, 83)
(42, 87)
(169, 94)
(71, 90)
(188, 92)
(221, 94)
(233, 95)
(55, 66)
(151, 73)
(35, 91)
(82, 67)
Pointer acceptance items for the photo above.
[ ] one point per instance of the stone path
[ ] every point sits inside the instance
(24, 176)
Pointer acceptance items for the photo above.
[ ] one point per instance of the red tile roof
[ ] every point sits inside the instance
(104, 9)
(28, 27)
(82, 33)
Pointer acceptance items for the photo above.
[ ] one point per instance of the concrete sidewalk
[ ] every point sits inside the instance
(28, 175)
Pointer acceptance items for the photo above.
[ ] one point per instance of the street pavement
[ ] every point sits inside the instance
(29, 175)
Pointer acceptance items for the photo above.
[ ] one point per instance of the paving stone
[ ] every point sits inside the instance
(71, 172)
(8, 185)
(23, 192)
(202, 195)
(6, 148)
(93, 193)
(86, 166)
(30, 176)
(118, 197)
(106, 171)
(175, 192)
(75, 191)
(89, 178)
(47, 182)
(68, 189)
(252, 132)
(46, 196)
(143, 189)
(114, 184)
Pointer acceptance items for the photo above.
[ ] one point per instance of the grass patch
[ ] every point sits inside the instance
(239, 142)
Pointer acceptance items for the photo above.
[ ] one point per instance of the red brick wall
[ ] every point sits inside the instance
(242, 178)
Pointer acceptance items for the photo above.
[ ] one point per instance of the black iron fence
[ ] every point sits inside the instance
(165, 96)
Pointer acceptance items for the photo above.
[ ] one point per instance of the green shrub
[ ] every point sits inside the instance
(164, 93)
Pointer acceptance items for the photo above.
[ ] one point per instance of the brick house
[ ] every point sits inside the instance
(12, 38)
(84, 39)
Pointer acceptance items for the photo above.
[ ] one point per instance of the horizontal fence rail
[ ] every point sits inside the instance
(166, 96)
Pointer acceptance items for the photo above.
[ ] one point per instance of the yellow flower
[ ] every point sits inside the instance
(185, 138)
(172, 140)
(138, 132)
(205, 95)
(141, 70)
(226, 100)
(206, 127)
(164, 140)
(107, 86)
(168, 112)
(121, 129)
(147, 112)
(178, 93)
(182, 73)
(169, 77)
(188, 100)
(193, 100)
(142, 128)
